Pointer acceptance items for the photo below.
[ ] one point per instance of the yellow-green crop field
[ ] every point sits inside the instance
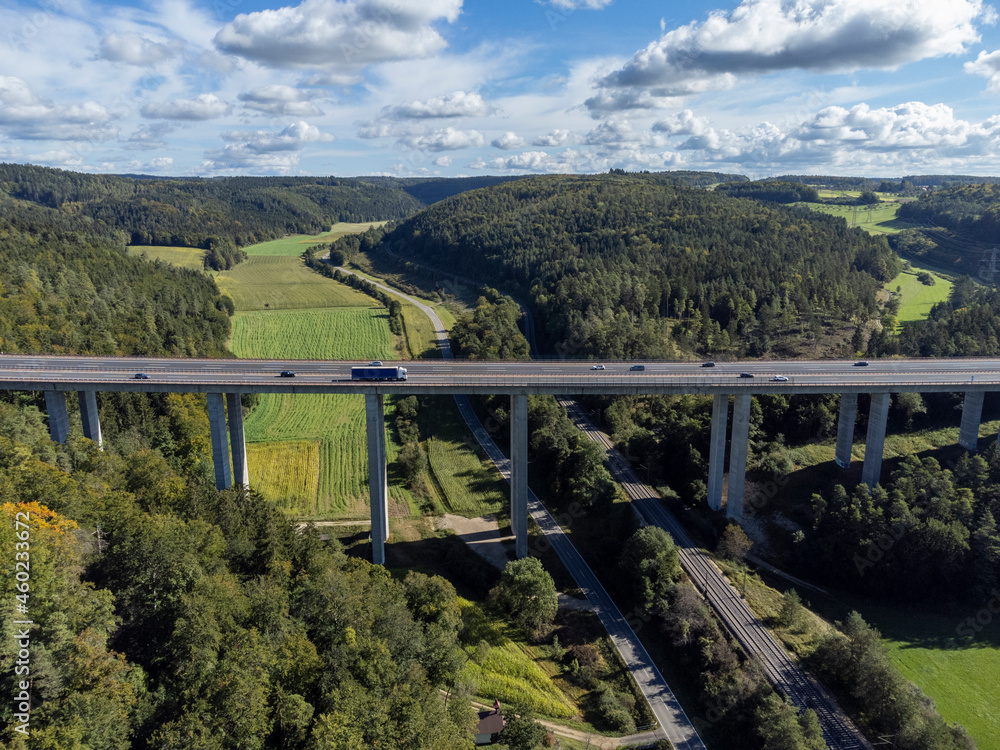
(324, 333)
(288, 472)
(182, 257)
(509, 673)
(297, 244)
(284, 283)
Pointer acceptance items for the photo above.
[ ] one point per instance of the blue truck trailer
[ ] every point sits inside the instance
(378, 373)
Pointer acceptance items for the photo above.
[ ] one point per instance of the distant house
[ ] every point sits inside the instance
(491, 723)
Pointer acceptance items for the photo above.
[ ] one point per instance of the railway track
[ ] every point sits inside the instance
(788, 677)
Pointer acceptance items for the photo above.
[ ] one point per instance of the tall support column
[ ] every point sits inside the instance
(845, 429)
(972, 412)
(55, 406)
(878, 416)
(717, 455)
(220, 443)
(89, 417)
(519, 472)
(377, 487)
(237, 440)
(738, 456)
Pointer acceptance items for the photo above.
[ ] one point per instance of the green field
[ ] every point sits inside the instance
(877, 219)
(182, 257)
(335, 423)
(324, 333)
(297, 244)
(463, 479)
(963, 679)
(282, 283)
(917, 299)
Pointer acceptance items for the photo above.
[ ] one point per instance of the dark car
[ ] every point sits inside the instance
(746, 374)
(287, 374)
(638, 368)
(141, 376)
(861, 363)
(708, 364)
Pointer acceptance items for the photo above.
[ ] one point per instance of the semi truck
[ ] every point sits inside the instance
(378, 373)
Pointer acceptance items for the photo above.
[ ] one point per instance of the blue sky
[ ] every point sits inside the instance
(466, 87)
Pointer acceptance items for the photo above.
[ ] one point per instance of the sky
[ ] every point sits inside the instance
(472, 87)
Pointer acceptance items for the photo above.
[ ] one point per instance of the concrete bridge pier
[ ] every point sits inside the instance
(845, 429)
(878, 417)
(519, 472)
(972, 413)
(89, 417)
(738, 451)
(378, 481)
(237, 440)
(717, 454)
(55, 406)
(220, 442)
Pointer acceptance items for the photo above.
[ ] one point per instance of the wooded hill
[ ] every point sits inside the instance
(225, 213)
(69, 288)
(624, 266)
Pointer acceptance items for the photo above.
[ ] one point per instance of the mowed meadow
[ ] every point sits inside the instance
(307, 453)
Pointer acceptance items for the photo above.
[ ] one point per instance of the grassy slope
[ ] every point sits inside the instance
(879, 220)
(182, 257)
(270, 282)
(918, 298)
(296, 244)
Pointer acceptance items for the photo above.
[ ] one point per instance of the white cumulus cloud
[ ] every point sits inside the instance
(263, 151)
(279, 99)
(763, 36)
(25, 115)
(134, 49)
(202, 107)
(558, 137)
(339, 34)
(508, 141)
(987, 65)
(455, 104)
(448, 139)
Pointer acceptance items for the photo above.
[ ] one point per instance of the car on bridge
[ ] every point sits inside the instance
(287, 374)
(637, 368)
(746, 374)
(708, 364)
(861, 363)
(598, 367)
(140, 376)
(780, 379)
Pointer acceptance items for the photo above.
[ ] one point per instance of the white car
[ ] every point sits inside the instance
(780, 378)
(598, 367)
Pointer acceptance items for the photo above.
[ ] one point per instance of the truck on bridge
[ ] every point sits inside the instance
(378, 373)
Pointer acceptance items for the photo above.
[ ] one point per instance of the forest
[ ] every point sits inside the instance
(221, 214)
(972, 212)
(623, 266)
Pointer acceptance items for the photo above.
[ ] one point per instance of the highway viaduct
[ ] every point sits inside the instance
(224, 380)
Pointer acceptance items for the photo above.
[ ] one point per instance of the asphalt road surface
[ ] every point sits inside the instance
(536, 376)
